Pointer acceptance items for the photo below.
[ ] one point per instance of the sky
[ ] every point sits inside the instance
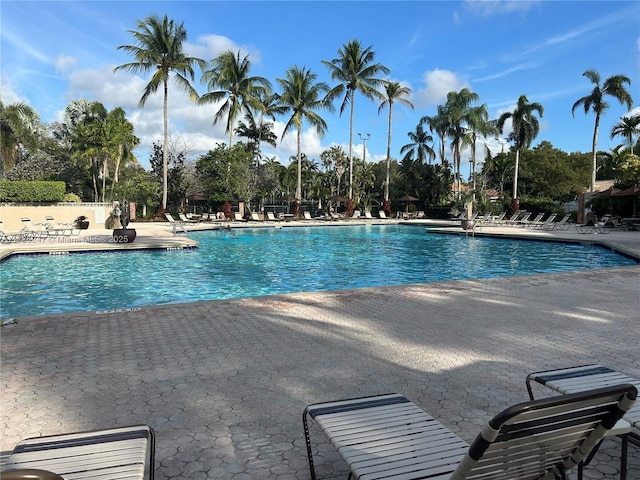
(54, 52)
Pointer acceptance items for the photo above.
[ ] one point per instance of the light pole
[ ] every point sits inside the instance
(364, 157)
(502, 143)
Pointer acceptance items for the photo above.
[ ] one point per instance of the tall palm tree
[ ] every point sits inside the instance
(228, 78)
(457, 108)
(356, 70)
(627, 127)
(19, 128)
(478, 124)
(394, 92)
(302, 95)
(158, 48)
(613, 87)
(439, 124)
(525, 129)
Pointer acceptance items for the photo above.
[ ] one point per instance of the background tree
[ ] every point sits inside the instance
(627, 127)
(394, 92)
(457, 111)
(419, 149)
(158, 48)
(613, 87)
(525, 129)
(302, 95)
(356, 70)
(226, 173)
(228, 79)
(20, 130)
(478, 125)
(334, 161)
(439, 124)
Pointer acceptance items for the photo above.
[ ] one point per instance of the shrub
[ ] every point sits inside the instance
(72, 197)
(31, 191)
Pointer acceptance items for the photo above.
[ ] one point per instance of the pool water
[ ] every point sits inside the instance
(269, 261)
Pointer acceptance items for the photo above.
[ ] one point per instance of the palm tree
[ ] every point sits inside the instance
(355, 70)
(457, 109)
(612, 86)
(122, 138)
(525, 129)
(627, 127)
(228, 78)
(394, 93)
(478, 123)
(19, 129)
(439, 124)
(419, 150)
(256, 133)
(302, 95)
(159, 49)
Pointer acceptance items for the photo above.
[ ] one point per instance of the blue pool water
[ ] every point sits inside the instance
(252, 262)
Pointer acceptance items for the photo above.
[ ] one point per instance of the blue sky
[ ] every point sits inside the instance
(53, 52)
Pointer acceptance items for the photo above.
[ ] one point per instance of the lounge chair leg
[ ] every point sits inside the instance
(623, 456)
(308, 440)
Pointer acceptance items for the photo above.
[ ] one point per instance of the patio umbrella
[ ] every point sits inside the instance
(337, 198)
(289, 198)
(408, 199)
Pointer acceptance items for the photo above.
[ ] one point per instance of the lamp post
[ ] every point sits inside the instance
(364, 156)
(502, 143)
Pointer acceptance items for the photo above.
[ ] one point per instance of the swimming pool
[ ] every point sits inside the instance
(269, 261)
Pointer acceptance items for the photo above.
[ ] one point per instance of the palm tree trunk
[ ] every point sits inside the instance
(515, 175)
(386, 183)
(165, 147)
(594, 151)
(351, 146)
(299, 182)
(117, 168)
(473, 167)
(104, 178)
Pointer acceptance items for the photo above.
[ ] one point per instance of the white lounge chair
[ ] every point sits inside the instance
(184, 219)
(588, 377)
(124, 452)
(382, 215)
(562, 224)
(542, 224)
(387, 436)
(175, 224)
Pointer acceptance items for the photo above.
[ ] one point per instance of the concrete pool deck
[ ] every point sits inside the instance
(224, 383)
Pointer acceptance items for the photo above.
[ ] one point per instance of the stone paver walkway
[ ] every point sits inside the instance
(224, 383)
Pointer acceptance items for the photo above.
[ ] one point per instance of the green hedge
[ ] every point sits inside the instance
(24, 191)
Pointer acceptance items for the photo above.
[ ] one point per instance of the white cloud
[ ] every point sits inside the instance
(437, 84)
(489, 8)
(207, 47)
(8, 94)
(504, 73)
(64, 63)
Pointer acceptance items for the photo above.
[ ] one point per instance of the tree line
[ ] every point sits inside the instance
(91, 149)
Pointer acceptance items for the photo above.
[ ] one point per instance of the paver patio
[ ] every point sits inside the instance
(224, 383)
